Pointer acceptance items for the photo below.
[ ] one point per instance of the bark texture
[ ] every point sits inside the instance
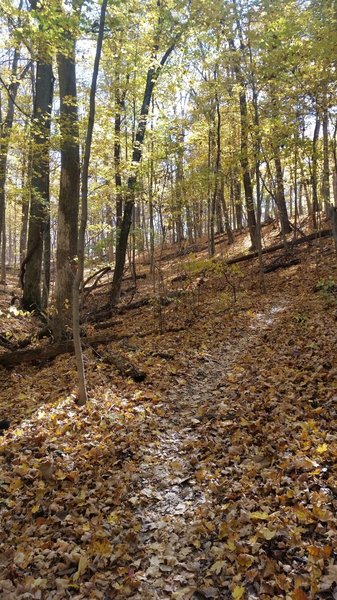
(69, 193)
(39, 206)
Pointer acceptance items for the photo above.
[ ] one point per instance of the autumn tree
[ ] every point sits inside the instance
(156, 65)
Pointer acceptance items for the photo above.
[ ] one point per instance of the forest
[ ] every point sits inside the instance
(168, 299)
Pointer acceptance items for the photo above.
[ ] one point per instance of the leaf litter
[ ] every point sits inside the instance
(216, 478)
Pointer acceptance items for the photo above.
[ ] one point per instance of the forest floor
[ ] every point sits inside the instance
(213, 478)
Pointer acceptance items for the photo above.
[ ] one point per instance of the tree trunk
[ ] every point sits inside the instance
(69, 193)
(280, 195)
(26, 178)
(119, 105)
(334, 173)
(151, 190)
(78, 279)
(46, 264)
(244, 160)
(314, 179)
(238, 203)
(39, 206)
(257, 152)
(3, 250)
(229, 232)
(152, 76)
(6, 127)
(326, 166)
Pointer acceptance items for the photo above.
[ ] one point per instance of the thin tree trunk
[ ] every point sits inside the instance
(5, 132)
(3, 250)
(314, 179)
(151, 184)
(25, 179)
(244, 160)
(326, 166)
(238, 203)
(46, 264)
(119, 105)
(216, 175)
(209, 187)
(334, 154)
(78, 279)
(152, 76)
(229, 232)
(257, 151)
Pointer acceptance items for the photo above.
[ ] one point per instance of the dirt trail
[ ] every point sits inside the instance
(176, 501)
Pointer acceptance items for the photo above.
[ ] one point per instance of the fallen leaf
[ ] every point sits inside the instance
(238, 592)
(298, 594)
(259, 516)
(82, 567)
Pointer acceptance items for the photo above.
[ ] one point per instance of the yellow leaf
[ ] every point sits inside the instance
(303, 514)
(268, 534)
(35, 509)
(18, 432)
(15, 485)
(322, 448)
(100, 548)
(238, 592)
(223, 530)
(259, 516)
(113, 518)
(60, 475)
(24, 469)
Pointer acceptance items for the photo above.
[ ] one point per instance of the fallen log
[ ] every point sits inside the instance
(97, 276)
(108, 312)
(6, 343)
(123, 366)
(46, 353)
(164, 300)
(308, 238)
(281, 265)
(35, 355)
(108, 324)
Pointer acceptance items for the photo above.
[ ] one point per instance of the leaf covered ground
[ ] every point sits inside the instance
(214, 478)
